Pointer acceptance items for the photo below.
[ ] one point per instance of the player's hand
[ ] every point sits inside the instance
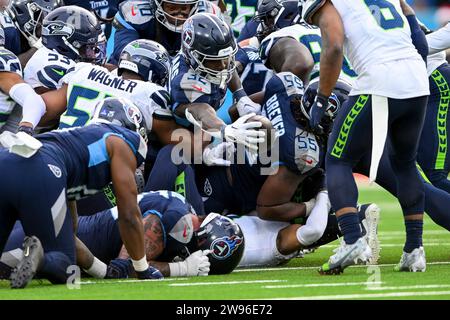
(317, 111)
(245, 105)
(150, 273)
(244, 132)
(119, 269)
(214, 156)
(198, 263)
(26, 128)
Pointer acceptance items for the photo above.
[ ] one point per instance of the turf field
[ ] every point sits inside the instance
(298, 279)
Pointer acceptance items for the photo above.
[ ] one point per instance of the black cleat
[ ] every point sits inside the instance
(33, 258)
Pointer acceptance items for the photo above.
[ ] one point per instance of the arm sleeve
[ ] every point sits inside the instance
(439, 40)
(418, 37)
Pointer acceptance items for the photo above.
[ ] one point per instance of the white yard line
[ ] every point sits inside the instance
(390, 245)
(315, 285)
(425, 286)
(315, 268)
(368, 295)
(132, 280)
(222, 283)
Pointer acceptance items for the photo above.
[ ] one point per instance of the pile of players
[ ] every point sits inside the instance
(126, 165)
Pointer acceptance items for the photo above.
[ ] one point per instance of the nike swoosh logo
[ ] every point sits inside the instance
(60, 72)
(132, 11)
(184, 232)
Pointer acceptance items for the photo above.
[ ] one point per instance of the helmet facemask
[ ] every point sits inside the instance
(169, 20)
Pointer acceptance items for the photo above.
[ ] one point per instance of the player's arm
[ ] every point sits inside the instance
(274, 198)
(417, 35)
(123, 167)
(332, 30)
(56, 104)
(125, 33)
(32, 104)
(203, 113)
(287, 54)
(439, 40)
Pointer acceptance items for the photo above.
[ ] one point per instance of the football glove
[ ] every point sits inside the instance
(150, 273)
(196, 264)
(119, 269)
(214, 156)
(317, 111)
(244, 104)
(244, 133)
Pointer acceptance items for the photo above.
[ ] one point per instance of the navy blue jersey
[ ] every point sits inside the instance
(100, 232)
(299, 149)
(255, 74)
(12, 34)
(188, 87)
(103, 8)
(82, 154)
(249, 30)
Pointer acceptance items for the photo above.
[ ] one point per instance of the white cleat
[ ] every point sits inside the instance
(370, 223)
(413, 262)
(347, 255)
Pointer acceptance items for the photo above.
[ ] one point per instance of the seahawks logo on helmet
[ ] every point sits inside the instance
(224, 247)
(57, 29)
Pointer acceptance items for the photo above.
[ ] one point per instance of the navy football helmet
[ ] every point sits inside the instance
(148, 59)
(122, 112)
(226, 241)
(75, 33)
(165, 11)
(206, 38)
(29, 14)
(273, 15)
(335, 101)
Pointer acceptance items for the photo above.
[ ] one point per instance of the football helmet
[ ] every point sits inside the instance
(173, 13)
(75, 33)
(337, 98)
(273, 15)
(148, 59)
(29, 14)
(208, 39)
(226, 241)
(122, 112)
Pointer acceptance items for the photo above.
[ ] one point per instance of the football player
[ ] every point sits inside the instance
(11, 32)
(63, 166)
(27, 16)
(159, 20)
(14, 91)
(69, 34)
(391, 106)
(199, 78)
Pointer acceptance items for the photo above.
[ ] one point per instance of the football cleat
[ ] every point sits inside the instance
(414, 261)
(347, 255)
(370, 229)
(32, 260)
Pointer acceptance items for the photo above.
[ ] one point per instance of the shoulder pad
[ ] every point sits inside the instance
(310, 7)
(291, 82)
(195, 83)
(307, 151)
(9, 62)
(136, 12)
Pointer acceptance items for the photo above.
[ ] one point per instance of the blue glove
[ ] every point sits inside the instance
(26, 129)
(119, 269)
(317, 111)
(150, 273)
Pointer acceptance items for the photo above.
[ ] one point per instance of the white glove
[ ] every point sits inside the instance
(35, 43)
(214, 156)
(244, 133)
(197, 264)
(245, 105)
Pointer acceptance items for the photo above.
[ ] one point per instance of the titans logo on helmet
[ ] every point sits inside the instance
(224, 247)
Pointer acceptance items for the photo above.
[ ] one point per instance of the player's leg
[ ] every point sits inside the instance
(350, 139)
(180, 178)
(12, 252)
(47, 222)
(434, 148)
(406, 120)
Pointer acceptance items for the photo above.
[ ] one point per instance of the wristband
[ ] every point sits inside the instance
(140, 265)
(238, 94)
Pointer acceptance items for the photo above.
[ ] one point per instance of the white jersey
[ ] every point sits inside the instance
(439, 40)
(88, 84)
(379, 46)
(46, 68)
(261, 242)
(311, 38)
(8, 63)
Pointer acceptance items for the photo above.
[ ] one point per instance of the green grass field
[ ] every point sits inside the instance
(298, 279)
